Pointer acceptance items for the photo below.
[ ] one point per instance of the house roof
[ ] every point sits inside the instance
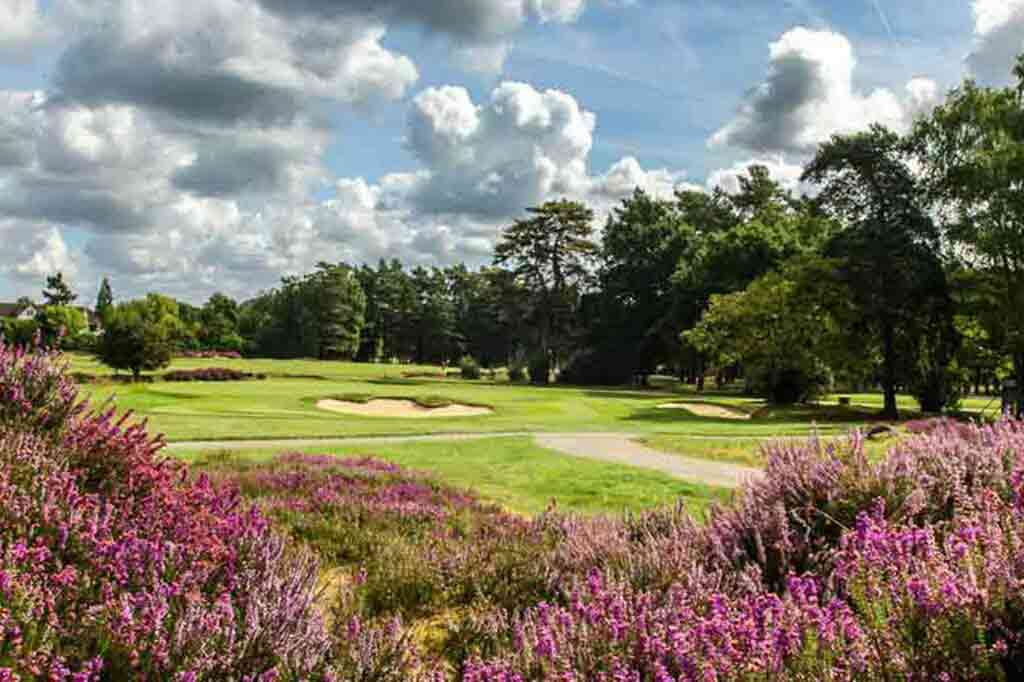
(10, 309)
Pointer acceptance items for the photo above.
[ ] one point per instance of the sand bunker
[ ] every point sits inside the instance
(387, 407)
(705, 410)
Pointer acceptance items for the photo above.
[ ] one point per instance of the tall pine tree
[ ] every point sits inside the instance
(104, 300)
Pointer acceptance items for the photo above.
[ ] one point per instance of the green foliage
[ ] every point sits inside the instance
(640, 313)
(590, 367)
(320, 315)
(57, 291)
(104, 299)
(887, 253)
(550, 253)
(139, 335)
(971, 149)
(469, 368)
(539, 367)
(59, 323)
(19, 332)
(779, 329)
(341, 306)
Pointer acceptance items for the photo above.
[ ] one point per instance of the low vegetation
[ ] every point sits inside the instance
(210, 374)
(118, 564)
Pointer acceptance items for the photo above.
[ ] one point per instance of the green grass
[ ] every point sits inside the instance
(738, 451)
(523, 477)
(286, 407)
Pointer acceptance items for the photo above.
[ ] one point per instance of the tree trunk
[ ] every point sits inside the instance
(890, 411)
(1018, 367)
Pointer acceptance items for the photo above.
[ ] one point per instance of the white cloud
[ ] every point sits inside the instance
(626, 175)
(21, 29)
(225, 61)
(181, 144)
(484, 164)
(808, 95)
(496, 158)
(34, 250)
(998, 39)
(784, 173)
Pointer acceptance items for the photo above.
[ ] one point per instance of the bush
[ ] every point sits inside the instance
(133, 341)
(539, 368)
(788, 386)
(517, 372)
(112, 560)
(211, 374)
(19, 332)
(939, 389)
(830, 567)
(594, 368)
(469, 368)
(211, 354)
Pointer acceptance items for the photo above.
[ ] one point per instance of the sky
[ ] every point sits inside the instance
(217, 145)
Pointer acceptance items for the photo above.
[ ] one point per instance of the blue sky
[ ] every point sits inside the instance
(222, 145)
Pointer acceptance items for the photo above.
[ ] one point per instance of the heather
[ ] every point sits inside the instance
(116, 563)
(210, 374)
(402, 544)
(211, 354)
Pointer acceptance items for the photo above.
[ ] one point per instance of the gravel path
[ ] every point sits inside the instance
(622, 449)
(619, 448)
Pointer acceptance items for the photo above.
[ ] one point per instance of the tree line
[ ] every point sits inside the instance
(904, 271)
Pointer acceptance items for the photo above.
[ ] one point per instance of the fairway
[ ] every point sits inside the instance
(284, 405)
(512, 469)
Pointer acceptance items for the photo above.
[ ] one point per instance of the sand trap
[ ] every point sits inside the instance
(387, 407)
(705, 410)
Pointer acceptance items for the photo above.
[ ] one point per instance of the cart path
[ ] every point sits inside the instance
(618, 448)
(621, 448)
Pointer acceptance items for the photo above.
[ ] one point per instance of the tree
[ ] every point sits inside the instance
(972, 151)
(104, 299)
(218, 324)
(136, 338)
(887, 251)
(318, 315)
(550, 253)
(638, 319)
(60, 322)
(57, 291)
(340, 310)
(779, 329)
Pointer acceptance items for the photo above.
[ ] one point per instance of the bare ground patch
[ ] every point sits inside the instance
(393, 407)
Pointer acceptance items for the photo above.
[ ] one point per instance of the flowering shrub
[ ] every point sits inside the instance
(115, 564)
(36, 394)
(210, 374)
(413, 546)
(829, 567)
(211, 354)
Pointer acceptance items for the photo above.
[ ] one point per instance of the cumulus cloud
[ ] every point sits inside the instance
(33, 251)
(21, 29)
(225, 61)
(474, 20)
(483, 164)
(479, 29)
(786, 174)
(627, 175)
(998, 39)
(181, 144)
(808, 95)
(490, 160)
